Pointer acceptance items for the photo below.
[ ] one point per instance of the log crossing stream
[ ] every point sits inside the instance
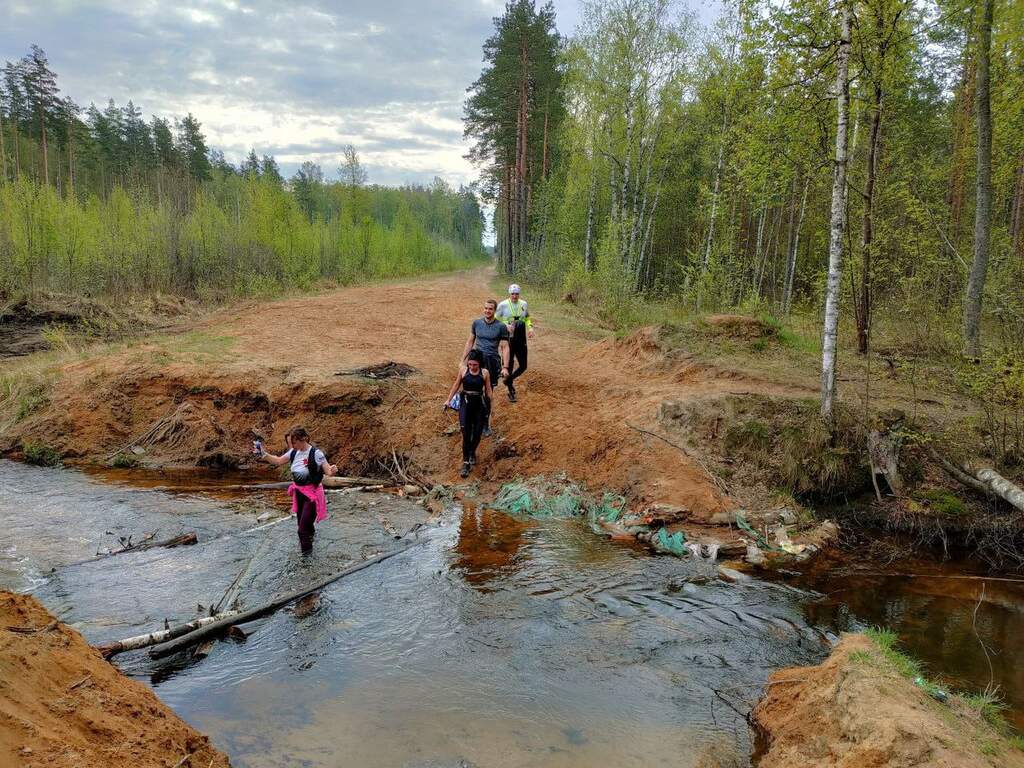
(499, 642)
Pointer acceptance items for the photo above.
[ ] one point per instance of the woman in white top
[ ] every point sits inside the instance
(309, 465)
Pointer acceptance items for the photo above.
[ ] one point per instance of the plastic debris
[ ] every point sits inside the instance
(673, 544)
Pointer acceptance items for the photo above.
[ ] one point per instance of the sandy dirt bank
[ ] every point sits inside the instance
(62, 705)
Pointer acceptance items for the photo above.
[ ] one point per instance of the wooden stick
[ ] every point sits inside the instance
(153, 638)
(33, 630)
(221, 625)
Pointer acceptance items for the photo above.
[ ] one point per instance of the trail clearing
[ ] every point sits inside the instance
(191, 398)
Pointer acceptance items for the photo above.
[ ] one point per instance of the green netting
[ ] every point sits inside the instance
(608, 510)
(674, 544)
(539, 498)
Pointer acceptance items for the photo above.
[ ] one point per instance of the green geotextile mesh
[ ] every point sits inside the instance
(559, 499)
(674, 544)
(539, 498)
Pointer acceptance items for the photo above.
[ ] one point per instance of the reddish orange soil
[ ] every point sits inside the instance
(273, 365)
(62, 705)
(854, 711)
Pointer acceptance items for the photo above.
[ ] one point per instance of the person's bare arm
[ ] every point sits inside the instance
(457, 384)
(487, 382)
(503, 349)
(277, 461)
(469, 346)
(329, 469)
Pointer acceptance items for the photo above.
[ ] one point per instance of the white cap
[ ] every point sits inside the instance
(514, 288)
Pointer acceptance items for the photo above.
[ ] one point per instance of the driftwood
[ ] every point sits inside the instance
(217, 627)
(162, 636)
(1006, 490)
(959, 475)
(183, 540)
(984, 480)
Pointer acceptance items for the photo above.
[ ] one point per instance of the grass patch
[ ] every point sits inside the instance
(124, 461)
(39, 454)
(989, 705)
(942, 502)
(902, 663)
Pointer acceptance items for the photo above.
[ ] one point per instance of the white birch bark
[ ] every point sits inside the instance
(837, 226)
(787, 295)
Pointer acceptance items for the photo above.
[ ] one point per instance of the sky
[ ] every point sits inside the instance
(298, 80)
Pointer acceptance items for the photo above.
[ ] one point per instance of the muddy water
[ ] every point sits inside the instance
(497, 643)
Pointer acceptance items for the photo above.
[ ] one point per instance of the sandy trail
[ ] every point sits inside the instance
(271, 365)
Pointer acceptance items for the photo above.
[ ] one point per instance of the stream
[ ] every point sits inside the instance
(499, 642)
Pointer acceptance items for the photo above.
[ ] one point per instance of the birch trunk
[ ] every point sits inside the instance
(155, 638)
(837, 226)
(588, 256)
(787, 295)
(983, 207)
(1002, 487)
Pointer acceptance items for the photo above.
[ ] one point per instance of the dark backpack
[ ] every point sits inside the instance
(316, 472)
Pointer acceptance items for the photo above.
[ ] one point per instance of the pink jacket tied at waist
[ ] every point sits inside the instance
(314, 494)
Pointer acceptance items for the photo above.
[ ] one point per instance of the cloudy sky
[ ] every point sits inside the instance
(298, 80)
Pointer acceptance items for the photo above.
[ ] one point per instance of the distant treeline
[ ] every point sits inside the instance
(102, 202)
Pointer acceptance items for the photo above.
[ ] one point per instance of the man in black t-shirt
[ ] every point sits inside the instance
(490, 336)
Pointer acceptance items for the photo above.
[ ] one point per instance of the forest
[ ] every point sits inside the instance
(861, 161)
(100, 202)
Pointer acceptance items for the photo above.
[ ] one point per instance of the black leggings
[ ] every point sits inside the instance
(493, 365)
(517, 354)
(471, 419)
(306, 514)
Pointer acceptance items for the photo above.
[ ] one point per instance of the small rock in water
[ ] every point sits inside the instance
(754, 555)
(731, 575)
(412, 490)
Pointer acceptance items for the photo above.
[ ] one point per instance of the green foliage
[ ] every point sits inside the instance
(235, 237)
(40, 455)
(996, 384)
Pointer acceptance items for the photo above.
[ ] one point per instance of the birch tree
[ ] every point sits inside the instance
(837, 222)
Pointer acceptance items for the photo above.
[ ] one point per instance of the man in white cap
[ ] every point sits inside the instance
(513, 312)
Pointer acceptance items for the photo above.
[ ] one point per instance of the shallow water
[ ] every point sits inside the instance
(499, 642)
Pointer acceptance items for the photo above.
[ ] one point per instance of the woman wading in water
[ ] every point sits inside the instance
(473, 384)
(309, 465)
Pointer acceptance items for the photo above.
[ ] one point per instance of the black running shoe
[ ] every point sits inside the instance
(464, 471)
(486, 432)
(511, 394)
(472, 460)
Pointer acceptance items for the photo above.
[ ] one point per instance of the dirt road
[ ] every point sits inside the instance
(191, 397)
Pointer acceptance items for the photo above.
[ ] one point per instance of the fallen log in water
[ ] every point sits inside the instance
(182, 540)
(337, 481)
(221, 625)
(153, 638)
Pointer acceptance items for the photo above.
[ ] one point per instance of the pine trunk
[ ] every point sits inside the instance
(837, 226)
(983, 207)
(42, 133)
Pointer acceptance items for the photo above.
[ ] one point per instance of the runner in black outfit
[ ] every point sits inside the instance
(490, 337)
(474, 384)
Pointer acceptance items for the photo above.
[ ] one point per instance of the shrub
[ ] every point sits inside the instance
(40, 455)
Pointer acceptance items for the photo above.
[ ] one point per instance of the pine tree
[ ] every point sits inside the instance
(512, 110)
(40, 88)
(191, 145)
(250, 167)
(270, 171)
